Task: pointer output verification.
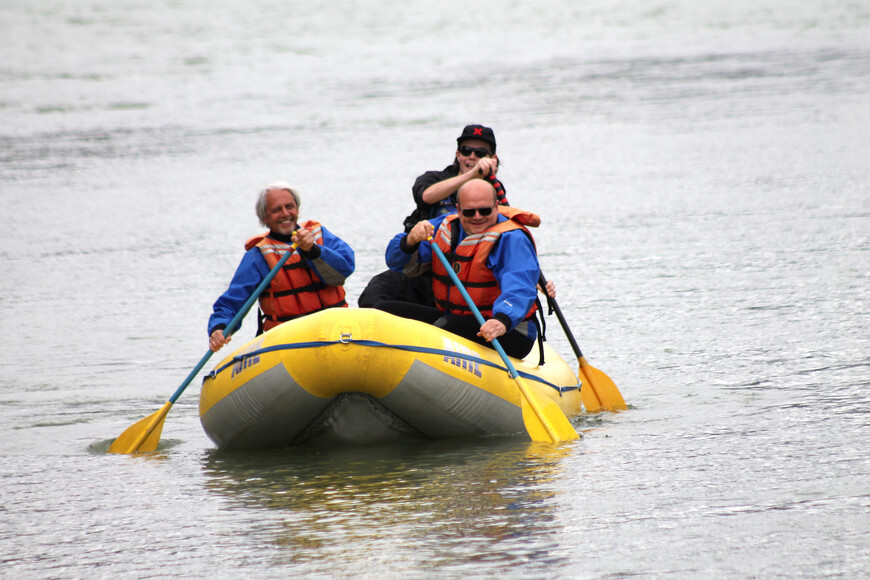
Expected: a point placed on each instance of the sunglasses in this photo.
(483, 211)
(481, 152)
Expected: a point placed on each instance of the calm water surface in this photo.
(702, 175)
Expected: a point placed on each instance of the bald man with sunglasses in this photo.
(492, 252)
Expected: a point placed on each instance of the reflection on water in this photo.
(432, 505)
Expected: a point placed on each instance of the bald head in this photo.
(477, 195)
(477, 187)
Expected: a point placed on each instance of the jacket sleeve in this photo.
(423, 182)
(395, 256)
(410, 261)
(514, 263)
(251, 271)
(334, 260)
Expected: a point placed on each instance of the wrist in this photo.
(406, 246)
(312, 253)
(504, 319)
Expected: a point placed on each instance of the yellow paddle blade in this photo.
(598, 392)
(142, 436)
(590, 400)
(543, 418)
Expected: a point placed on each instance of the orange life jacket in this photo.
(469, 262)
(295, 290)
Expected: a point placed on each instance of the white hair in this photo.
(260, 206)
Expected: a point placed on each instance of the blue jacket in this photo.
(513, 262)
(332, 262)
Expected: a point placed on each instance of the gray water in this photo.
(702, 174)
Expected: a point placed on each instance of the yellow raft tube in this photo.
(358, 376)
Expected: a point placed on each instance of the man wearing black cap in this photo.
(435, 195)
(475, 158)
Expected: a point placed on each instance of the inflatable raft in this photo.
(358, 376)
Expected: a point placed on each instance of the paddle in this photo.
(602, 392)
(544, 420)
(144, 435)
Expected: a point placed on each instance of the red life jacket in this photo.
(469, 262)
(295, 290)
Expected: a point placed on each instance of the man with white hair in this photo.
(312, 279)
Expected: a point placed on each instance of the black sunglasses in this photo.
(483, 211)
(481, 152)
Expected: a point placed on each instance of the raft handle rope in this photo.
(346, 338)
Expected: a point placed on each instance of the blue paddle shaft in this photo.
(456, 282)
(236, 321)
